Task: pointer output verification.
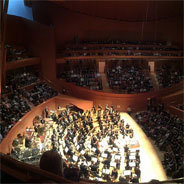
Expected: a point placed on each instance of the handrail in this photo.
(119, 44)
(119, 50)
(117, 57)
(24, 172)
(22, 63)
(174, 110)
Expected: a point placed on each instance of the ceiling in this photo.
(125, 10)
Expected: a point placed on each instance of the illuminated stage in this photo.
(151, 166)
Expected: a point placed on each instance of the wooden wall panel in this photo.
(120, 101)
(70, 24)
(15, 32)
(177, 98)
(37, 38)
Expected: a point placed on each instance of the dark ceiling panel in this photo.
(125, 10)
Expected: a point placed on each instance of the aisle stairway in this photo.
(105, 83)
(154, 81)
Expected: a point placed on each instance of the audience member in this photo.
(51, 161)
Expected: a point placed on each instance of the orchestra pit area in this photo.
(98, 141)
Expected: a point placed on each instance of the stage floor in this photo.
(151, 166)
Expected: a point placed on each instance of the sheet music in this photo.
(94, 159)
(113, 164)
(115, 149)
(78, 147)
(104, 155)
(75, 158)
(93, 149)
(66, 149)
(117, 157)
(132, 158)
(82, 152)
(132, 164)
(127, 172)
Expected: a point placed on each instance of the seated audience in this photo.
(16, 53)
(13, 107)
(84, 76)
(130, 49)
(19, 79)
(167, 76)
(181, 106)
(129, 78)
(40, 93)
(167, 132)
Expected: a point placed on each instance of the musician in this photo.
(131, 133)
(127, 128)
(84, 170)
(134, 180)
(127, 167)
(47, 112)
(28, 142)
(94, 167)
(126, 148)
(42, 121)
(99, 113)
(70, 119)
(97, 152)
(99, 107)
(137, 172)
(67, 110)
(106, 108)
(110, 141)
(94, 110)
(74, 116)
(111, 111)
(114, 173)
(88, 158)
(53, 116)
(79, 115)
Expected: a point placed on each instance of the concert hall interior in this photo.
(91, 91)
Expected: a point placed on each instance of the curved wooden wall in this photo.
(120, 101)
(27, 120)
